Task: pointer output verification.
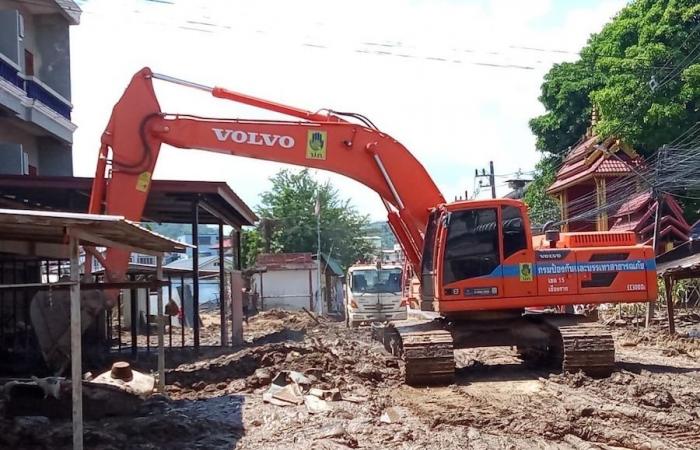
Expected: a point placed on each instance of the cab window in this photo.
(471, 247)
(514, 237)
(426, 275)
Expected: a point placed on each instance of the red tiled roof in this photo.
(582, 148)
(602, 165)
(633, 204)
(612, 165)
(567, 180)
(675, 231)
(227, 244)
(677, 211)
(623, 225)
(285, 261)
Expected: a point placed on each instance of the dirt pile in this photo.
(333, 362)
(315, 347)
(270, 323)
(678, 345)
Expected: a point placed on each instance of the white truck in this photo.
(373, 294)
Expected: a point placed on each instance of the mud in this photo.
(215, 400)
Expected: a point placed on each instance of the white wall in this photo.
(286, 289)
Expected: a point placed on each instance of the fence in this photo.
(130, 326)
(19, 349)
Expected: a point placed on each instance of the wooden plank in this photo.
(668, 284)
(85, 235)
(152, 284)
(39, 286)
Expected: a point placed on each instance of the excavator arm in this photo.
(327, 141)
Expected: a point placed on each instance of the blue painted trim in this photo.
(636, 265)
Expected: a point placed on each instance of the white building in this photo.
(393, 256)
(207, 242)
(290, 281)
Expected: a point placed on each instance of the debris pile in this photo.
(303, 383)
(322, 353)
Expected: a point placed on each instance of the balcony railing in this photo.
(38, 92)
(10, 73)
(34, 90)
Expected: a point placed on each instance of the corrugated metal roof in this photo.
(332, 265)
(285, 261)
(676, 261)
(204, 261)
(169, 201)
(96, 230)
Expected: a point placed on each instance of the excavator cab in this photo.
(483, 246)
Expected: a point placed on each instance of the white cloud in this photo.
(450, 112)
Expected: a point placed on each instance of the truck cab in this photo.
(374, 294)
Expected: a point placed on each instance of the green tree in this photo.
(288, 212)
(642, 74)
(251, 246)
(542, 207)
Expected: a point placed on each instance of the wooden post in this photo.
(311, 293)
(668, 284)
(222, 286)
(76, 353)
(262, 297)
(161, 327)
(195, 273)
(236, 307)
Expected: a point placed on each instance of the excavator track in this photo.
(586, 347)
(426, 349)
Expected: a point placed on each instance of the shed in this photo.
(43, 234)
(285, 281)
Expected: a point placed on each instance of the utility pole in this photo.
(319, 300)
(491, 176)
(658, 196)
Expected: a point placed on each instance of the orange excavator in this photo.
(479, 266)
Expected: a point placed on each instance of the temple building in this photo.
(598, 190)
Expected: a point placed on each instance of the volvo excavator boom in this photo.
(324, 140)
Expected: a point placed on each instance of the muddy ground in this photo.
(651, 402)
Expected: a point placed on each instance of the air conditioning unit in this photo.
(13, 159)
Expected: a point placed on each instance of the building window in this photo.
(147, 260)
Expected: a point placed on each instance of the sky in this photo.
(455, 81)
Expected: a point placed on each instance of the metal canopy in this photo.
(681, 262)
(169, 201)
(45, 233)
